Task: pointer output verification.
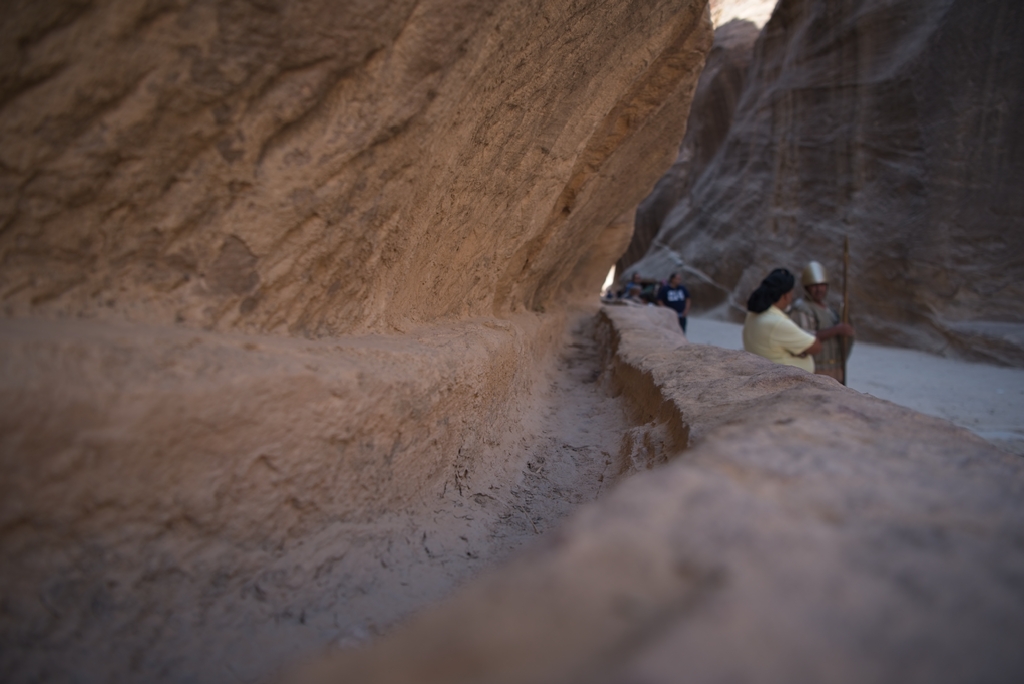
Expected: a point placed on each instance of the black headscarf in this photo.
(779, 282)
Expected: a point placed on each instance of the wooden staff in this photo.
(846, 300)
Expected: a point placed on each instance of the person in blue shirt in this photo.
(675, 297)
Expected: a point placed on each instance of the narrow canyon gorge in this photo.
(305, 377)
(890, 123)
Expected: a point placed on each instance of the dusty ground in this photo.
(567, 454)
(246, 588)
(986, 399)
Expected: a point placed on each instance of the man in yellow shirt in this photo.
(769, 332)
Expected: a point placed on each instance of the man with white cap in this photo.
(814, 315)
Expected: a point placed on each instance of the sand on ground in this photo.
(562, 448)
(566, 453)
(986, 399)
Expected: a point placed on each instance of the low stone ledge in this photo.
(808, 533)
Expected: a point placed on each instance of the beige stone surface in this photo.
(179, 504)
(283, 289)
(286, 356)
(893, 123)
(321, 168)
(194, 506)
(808, 533)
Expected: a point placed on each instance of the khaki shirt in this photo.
(772, 335)
(813, 317)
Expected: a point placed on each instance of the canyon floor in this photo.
(986, 399)
(562, 448)
(567, 452)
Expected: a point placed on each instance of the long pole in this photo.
(846, 299)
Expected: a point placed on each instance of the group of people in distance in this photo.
(671, 294)
(810, 337)
(807, 332)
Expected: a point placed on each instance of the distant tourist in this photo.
(675, 297)
(769, 332)
(823, 321)
(634, 295)
(635, 280)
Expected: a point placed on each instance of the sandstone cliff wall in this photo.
(893, 123)
(317, 168)
(280, 275)
(714, 103)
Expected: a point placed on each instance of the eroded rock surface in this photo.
(203, 506)
(809, 533)
(281, 281)
(893, 123)
(714, 103)
(314, 167)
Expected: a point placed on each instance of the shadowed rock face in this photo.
(718, 92)
(323, 167)
(893, 123)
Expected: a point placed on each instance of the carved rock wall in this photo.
(317, 168)
(890, 122)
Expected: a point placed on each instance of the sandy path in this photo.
(341, 582)
(565, 455)
(989, 400)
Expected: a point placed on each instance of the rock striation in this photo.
(714, 103)
(888, 123)
(314, 168)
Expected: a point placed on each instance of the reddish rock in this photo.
(190, 488)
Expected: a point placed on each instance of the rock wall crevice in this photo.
(661, 430)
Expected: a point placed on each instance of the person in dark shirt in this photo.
(675, 297)
(634, 279)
